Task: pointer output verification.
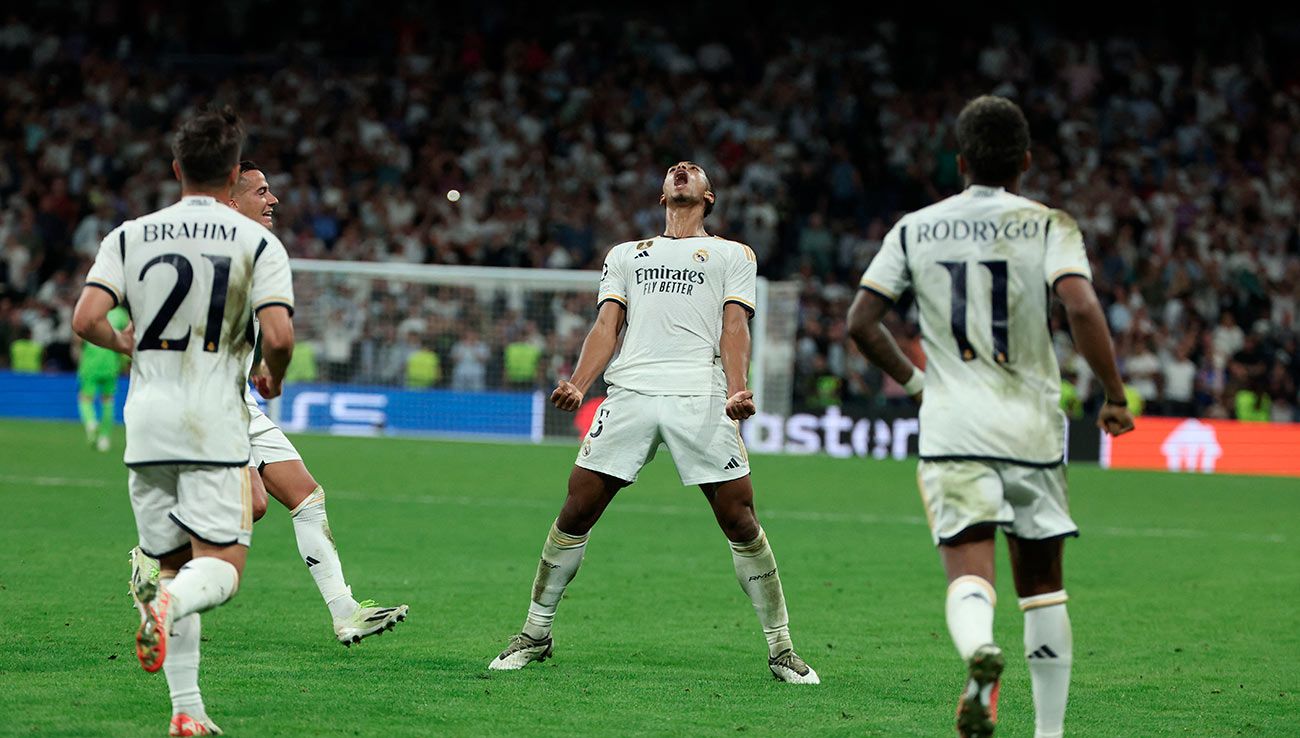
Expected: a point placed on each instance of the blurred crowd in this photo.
(500, 143)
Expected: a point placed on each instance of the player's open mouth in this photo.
(680, 178)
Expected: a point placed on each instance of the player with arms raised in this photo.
(992, 434)
(685, 299)
(192, 276)
(277, 467)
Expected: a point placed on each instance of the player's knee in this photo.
(738, 523)
(578, 516)
(259, 508)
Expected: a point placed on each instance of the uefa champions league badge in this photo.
(701, 256)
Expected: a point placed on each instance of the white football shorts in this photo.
(1027, 502)
(629, 426)
(171, 502)
(269, 444)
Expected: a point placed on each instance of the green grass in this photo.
(1184, 594)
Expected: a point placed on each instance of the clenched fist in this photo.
(267, 387)
(740, 406)
(566, 396)
(1115, 419)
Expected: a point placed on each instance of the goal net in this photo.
(469, 352)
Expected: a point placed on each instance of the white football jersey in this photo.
(674, 290)
(982, 265)
(192, 276)
(256, 333)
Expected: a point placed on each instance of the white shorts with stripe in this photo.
(171, 502)
(629, 426)
(269, 444)
(1026, 501)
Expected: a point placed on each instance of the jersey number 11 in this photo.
(957, 270)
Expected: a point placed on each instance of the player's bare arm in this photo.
(1092, 339)
(277, 347)
(874, 340)
(734, 348)
(597, 350)
(90, 321)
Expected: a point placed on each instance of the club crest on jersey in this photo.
(701, 256)
(586, 447)
(643, 249)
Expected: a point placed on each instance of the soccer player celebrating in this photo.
(685, 299)
(277, 467)
(992, 433)
(97, 372)
(193, 275)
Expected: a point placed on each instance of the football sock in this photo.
(86, 408)
(561, 557)
(106, 417)
(316, 546)
(182, 665)
(201, 585)
(1049, 650)
(756, 572)
(969, 610)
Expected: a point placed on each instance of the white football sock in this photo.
(316, 546)
(182, 667)
(201, 585)
(756, 572)
(561, 557)
(969, 609)
(1049, 650)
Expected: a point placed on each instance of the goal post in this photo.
(466, 351)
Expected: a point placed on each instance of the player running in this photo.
(193, 275)
(992, 434)
(278, 468)
(680, 378)
(97, 372)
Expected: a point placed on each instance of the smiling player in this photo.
(277, 467)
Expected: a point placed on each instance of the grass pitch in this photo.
(1183, 599)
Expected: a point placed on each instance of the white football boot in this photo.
(144, 570)
(788, 667)
(521, 651)
(368, 620)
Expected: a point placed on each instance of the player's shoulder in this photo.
(261, 234)
(1062, 222)
(735, 248)
(1058, 221)
(121, 230)
(622, 249)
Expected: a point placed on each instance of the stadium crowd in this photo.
(1178, 161)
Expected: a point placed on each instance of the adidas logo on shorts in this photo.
(733, 464)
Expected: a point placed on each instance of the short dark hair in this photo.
(247, 165)
(993, 136)
(208, 146)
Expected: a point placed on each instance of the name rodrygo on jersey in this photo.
(192, 276)
(981, 265)
(675, 290)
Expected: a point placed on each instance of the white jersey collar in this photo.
(199, 200)
(984, 190)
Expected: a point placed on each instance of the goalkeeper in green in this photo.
(97, 373)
